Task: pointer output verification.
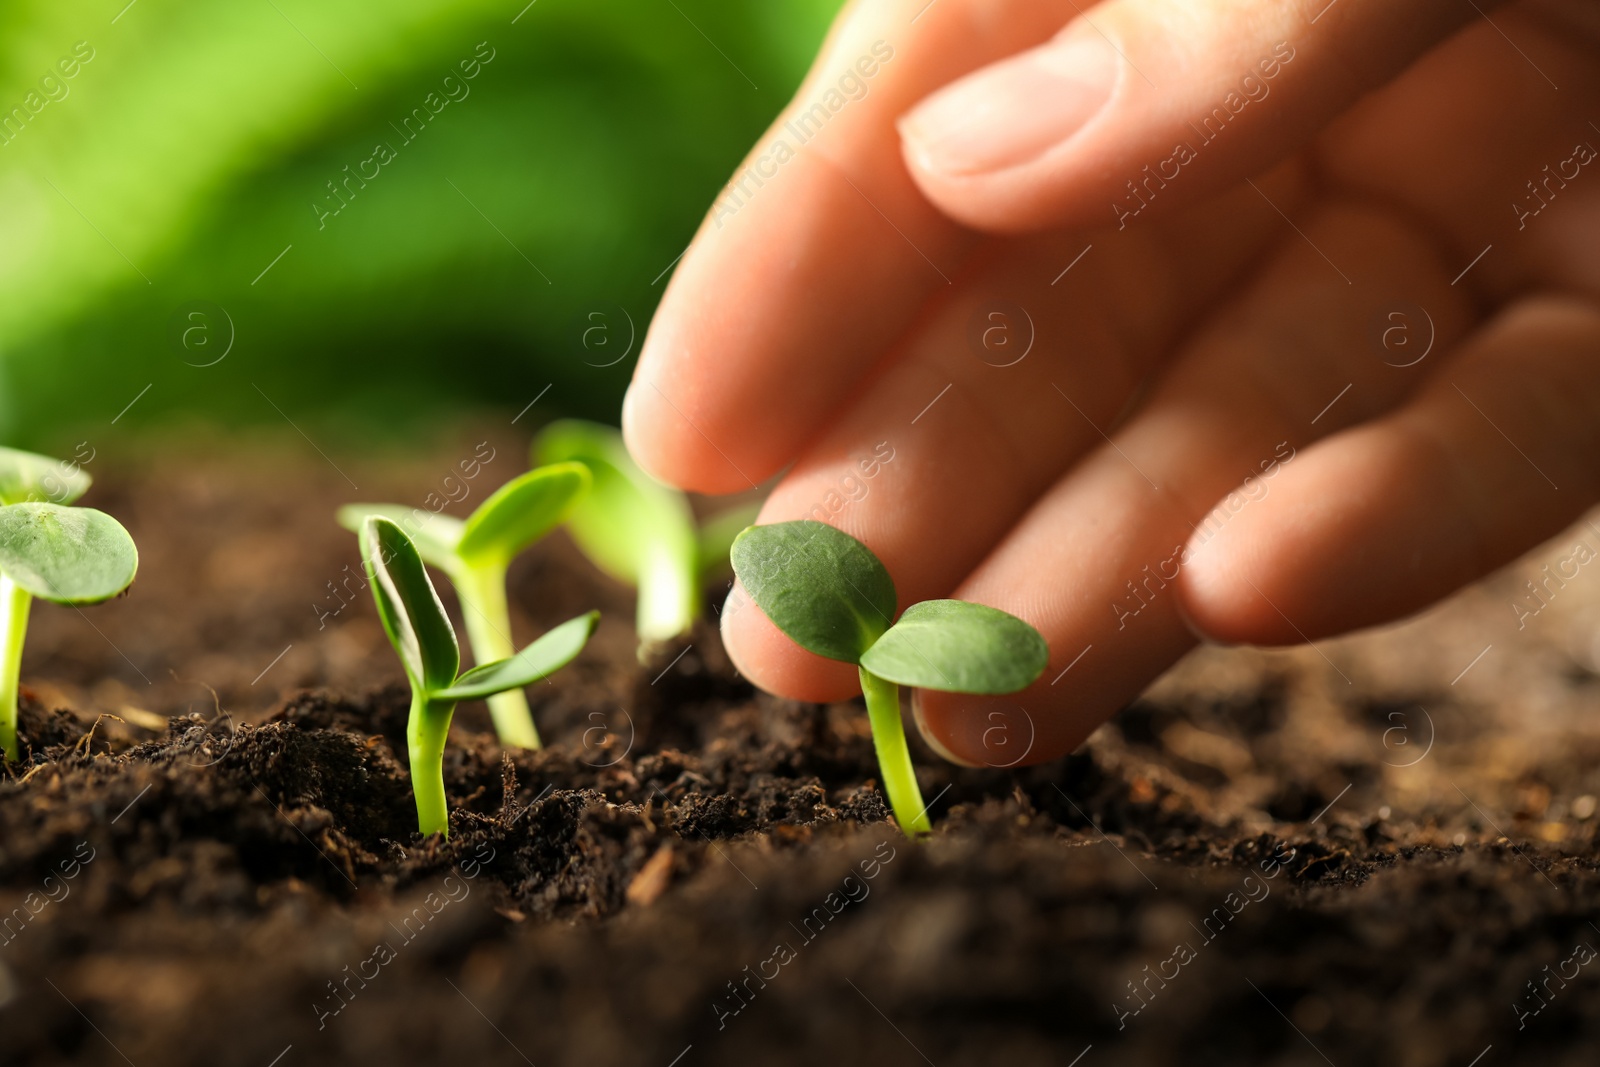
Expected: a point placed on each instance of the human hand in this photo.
(1297, 323)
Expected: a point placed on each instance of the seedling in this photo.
(421, 633)
(475, 554)
(832, 596)
(66, 555)
(640, 531)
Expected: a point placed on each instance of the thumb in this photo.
(1149, 103)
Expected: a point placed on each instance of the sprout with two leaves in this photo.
(66, 555)
(640, 531)
(475, 554)
(832, 596)
(421, 633)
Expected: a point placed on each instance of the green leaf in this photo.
(435, 535)
(66, 555)
(819, 585)
(630, 525)
(539, 660)
(28, 476)
(626, 510)
(408, 605)
(960, 648)
(717, 534)
(521, 511)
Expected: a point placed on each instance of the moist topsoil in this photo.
(1350, 854)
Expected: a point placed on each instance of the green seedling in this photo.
(639, 531)
(832, 596)
(421, 633)
(62, 554)
(475, 554)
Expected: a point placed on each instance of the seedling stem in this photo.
(476, 554)
(640, 531)
(417, 627)
(833, 597)
(425, 738)
(14, 604)
(482, 592)
(894, 757)
(48, 550)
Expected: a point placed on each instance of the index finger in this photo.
(817, 254)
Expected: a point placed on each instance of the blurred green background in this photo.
(158, 203)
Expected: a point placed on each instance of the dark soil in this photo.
(208, 855)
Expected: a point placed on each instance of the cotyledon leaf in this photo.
(630, 525)
(627, 511)
(435, 535)
(522, 511)
(539, 660)
(959, 647)
(819, 585)
(28, 476)
(66, 555)
(408, 605)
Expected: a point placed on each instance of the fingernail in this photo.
(1182, 612)
(927, 735)
(629, 402)
(1016, 110)
(635, 423)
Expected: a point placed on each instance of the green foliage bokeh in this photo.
(162, 178)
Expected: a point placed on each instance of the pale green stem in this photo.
(426, 731)
(482, 590)
(14, 603)
(894, 758)
(667, 596)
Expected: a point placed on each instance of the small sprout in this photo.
(832, 596)
(66, 555)
(640, 531)
(421, 633)
(475, 555)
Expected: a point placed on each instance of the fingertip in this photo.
(972, 200)
(1220, 595)
(950, 726)
(652, 443)
(934, 737)
(1340, 541)
(634, 434)
(982, 148)
(661, 435)
(998, 732)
